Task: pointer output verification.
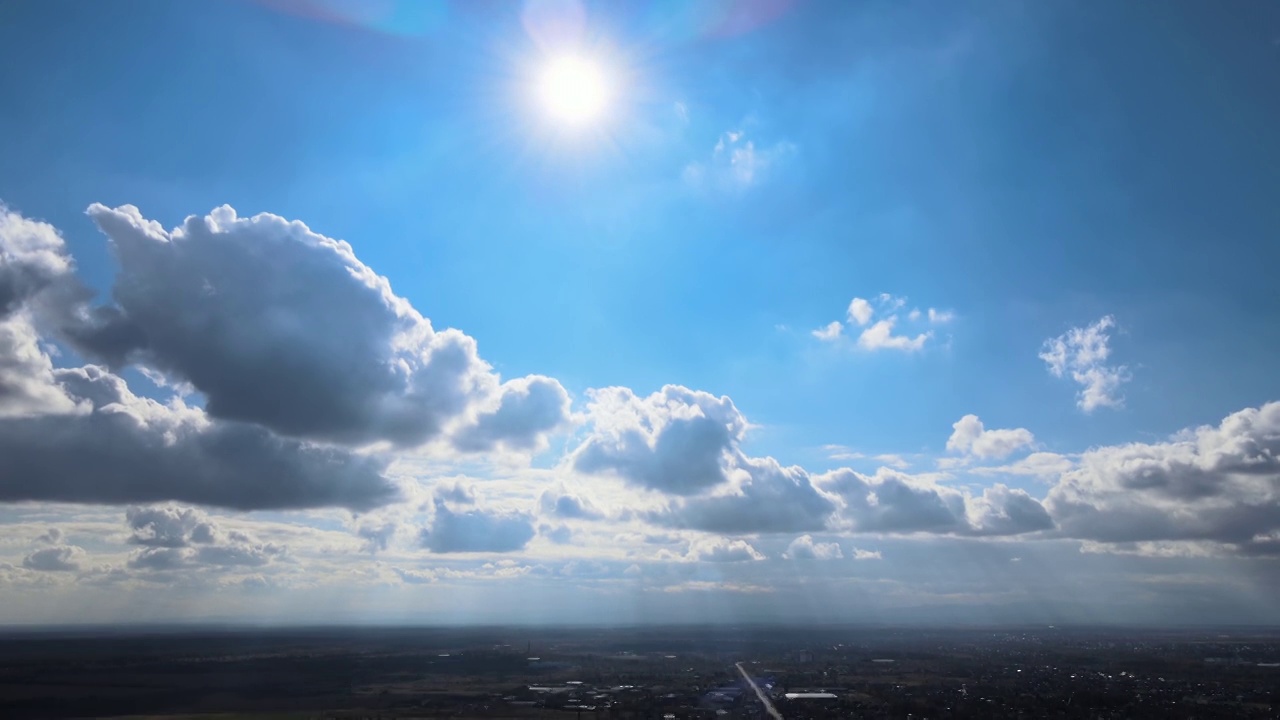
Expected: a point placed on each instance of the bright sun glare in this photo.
(573, 90)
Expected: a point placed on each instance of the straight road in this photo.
(764, 700)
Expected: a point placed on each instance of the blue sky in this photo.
(1023, 169)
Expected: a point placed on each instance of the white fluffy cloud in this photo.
(717, 549)
(761, 496)
(1218, 484)
(804, 548)
(879, 335)
(175, 538)
(33, 256)
(676, 440)
(971, 438)
(860, 311)
(830, 331)
(1082, 353)
(893, 502)
(28, 386)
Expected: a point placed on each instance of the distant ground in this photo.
(639, 673)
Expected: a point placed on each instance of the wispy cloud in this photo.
(1082, 353)
(737, 162)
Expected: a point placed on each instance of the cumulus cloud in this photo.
(971, 438)
(527, 409)
(860, 311)
(59, 558)
(80, 434)
(722, 550)
(879, 335)
(860, 554)
(168, 526)
(894, 502)
(130, 449)
(830, 331)
(477, 531)
(1002, 510)
(676, 440)
(1219, 484)
(27, 383)
(804, 548)
(175, 537)
(564, 504)
(1082, 354)
(283, 327)
(761, 497)
(33, 256)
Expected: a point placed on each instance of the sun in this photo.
(574, 90)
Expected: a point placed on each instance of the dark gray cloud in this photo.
(477, 531)
(676, 440)
(1218, 484)
(130, 449)
(282, 327)
(59, 558)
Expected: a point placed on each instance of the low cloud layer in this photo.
(1218, 484)
(676, 440)
(291, 376)
(130, 449)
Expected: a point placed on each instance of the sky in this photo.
(546, 312)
